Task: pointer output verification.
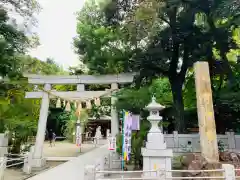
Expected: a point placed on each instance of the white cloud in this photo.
(56, 29)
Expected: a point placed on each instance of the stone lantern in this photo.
(156, 156)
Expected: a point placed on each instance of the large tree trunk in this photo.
(223, 48)
(178, 104)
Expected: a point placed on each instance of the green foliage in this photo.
(12, 41)
(135, 100)
(169, 36)
(99, 111)
(70, 123)
(18, 115)
(177, 162)
(26, 8)
(162, 90)
(102, 48)
(189, 92)
(30, 65)
(221, 147)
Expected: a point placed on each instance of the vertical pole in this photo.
(123, 119)
(114, 114)
(206, 121)
(3, 161)
(38, 149)
(80, 87)
(78, 134)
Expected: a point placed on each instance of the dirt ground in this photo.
(66, 149)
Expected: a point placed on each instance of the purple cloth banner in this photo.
(127, 135)
(135, 122)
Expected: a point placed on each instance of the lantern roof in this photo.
(153, 105)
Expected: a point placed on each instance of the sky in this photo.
(56, 29)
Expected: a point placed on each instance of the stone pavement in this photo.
(73, 169)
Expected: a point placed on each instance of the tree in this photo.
(78, 70)
(12, 41)
(135, 100)
(17, 114)
(25, 9)
(30, 65)
(176, 41)
(101, 48)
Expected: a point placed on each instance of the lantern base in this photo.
(157, 159)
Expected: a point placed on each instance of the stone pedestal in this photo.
(114, 161)
(39, 163)
(155, 155)
(157, 159)
(3, 144)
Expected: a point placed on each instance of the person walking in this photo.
(53, 138)
(50, 137)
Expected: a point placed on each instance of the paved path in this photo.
(73, 169)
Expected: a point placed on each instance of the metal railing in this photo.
(19, 159)
(164, 174)
(122, 175)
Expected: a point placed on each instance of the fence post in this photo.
(106, 162)
(3, 161)
(28, 158)
(176, 141)
(89, 172)
(229, 172)
(27, 168)
(231, 141)
(114, 161)
(99, 166)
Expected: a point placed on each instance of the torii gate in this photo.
(80, 94)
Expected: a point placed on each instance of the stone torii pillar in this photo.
(38, 160)
(114, 113)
